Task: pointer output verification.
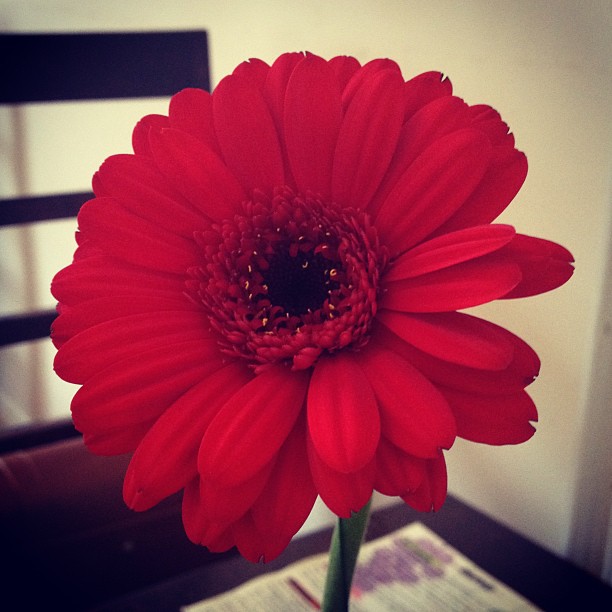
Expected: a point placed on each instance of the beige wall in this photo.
(543, 64)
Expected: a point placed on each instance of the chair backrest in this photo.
(58, 502)
(85, 66)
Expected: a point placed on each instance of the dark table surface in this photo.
(543, 578)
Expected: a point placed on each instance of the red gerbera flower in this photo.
(263, 305)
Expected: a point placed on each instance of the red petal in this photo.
(275, 86)
(139, 389)
(367, 139)
(450, 249)
(501, 182)
(432, 188)
(342, 414)
(140, 135)
(365, 74)
(254, 72)
(191, 112)
(197, 527)
(89, 352)
(274, 91)
(252, 426)
(247, 135)
(74, 320)
(342, 493)
(197, 172)
(454, 337)
(139, 186)
(413, 413)
(544, 265)
(96, 277)
(116, 441)
(489, 121)
(164, 214)
(225, 505)
(217, 536)
(425, 88)
(432, 492)
(460, 286)
(288, 498)
(166, 459)
(123, 174)
(344, 68)
(493, 419)
(397, 473)
(520, 372)
(312, 117)
(121, 234)
(222, 542)
(432, 122)
(247, 539)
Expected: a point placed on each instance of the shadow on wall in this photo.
(590, 542)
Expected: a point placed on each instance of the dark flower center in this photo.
(299, 284)
(289, 278)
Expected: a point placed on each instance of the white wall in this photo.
(545, 65)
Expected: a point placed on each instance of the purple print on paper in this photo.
(404, 561)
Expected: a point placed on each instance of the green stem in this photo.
(346, 541)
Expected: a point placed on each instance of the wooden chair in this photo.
(68, 540)
(61, 67)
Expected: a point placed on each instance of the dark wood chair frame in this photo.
(82, 66)
(68, 540)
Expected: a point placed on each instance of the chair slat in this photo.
(25, 327)
(41, 68)
(101, 66)
(31, 435)
(41, 208)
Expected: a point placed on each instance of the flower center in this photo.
(299, 284)
(289, 278)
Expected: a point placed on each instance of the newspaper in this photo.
(410, 569)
